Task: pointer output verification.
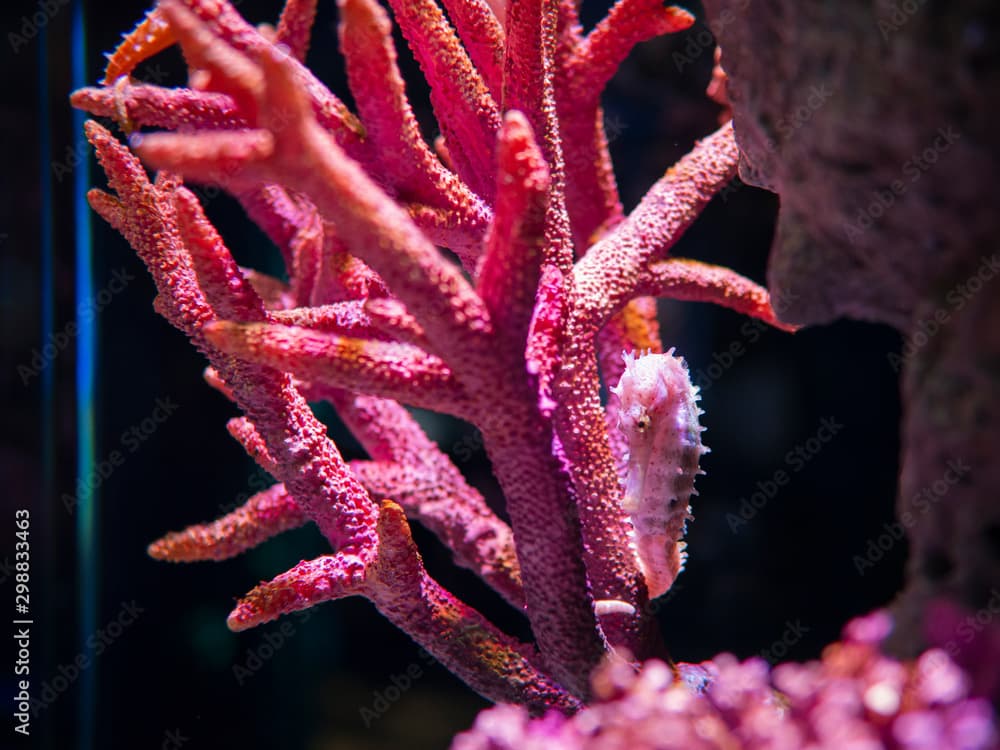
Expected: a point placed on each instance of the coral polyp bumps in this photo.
(553, 282)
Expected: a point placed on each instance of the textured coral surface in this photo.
(493, 276)
(852, 698)
(503, 333)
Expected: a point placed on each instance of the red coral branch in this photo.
(508, 277)
(411, 470)
(153, 106)
(607, 276)
(398, 371)
(404, 160)
(684, 279)
(295, 27)
(482, 35)
(603, 280)
(227, 25)
(628, 23)
(303, 458)
(468, 115)
(266, 514)
(372, 225)
(549, 292)
(244, 433)
(490, 662)
(347, 318)
(528, 86)
(307, 584)
(452, 631)
(592, 194)
(392, 318)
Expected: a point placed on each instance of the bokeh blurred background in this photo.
(778, 580)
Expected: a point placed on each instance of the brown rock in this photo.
(874, 123)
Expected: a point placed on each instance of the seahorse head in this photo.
(652, 386)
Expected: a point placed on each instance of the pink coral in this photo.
(550, 286)
(854, 698)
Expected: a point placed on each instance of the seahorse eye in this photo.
(643, 422)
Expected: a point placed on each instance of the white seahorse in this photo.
(659, 419)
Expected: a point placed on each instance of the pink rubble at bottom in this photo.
(853, 698)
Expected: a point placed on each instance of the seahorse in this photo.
(659, 419)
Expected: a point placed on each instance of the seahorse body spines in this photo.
(659, 418)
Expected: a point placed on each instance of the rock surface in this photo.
(873, 123)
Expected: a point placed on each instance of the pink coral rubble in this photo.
(854, 698)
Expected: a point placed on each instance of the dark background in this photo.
(785, 581)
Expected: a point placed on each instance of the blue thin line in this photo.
(86, 364)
